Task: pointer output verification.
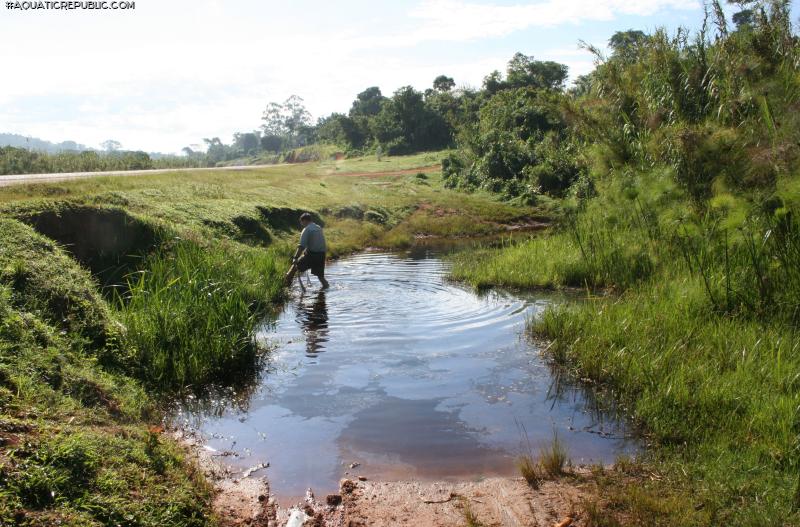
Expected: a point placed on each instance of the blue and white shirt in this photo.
(312, 239)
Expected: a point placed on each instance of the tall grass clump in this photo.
(553, 457)
(529, 470)
(191, 312)
(470, 517)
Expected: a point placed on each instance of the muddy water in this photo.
(406, 375)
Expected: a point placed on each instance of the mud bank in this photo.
(490, 502)
(243, 498)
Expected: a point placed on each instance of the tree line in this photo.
(407, 121)
(713, 107)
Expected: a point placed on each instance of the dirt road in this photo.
(399, 172)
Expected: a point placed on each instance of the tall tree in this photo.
(271, 143)
(443, 83)
(368, 102)
(744, 18)
(523, 71)
(215, 150)
(493, 82)
(111, 145)
(289, 120)
(274, 122)
(626, 44)
(406, 124)
(582, 85)
(247, 143)
(340, 129)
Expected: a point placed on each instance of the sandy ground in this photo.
(491, 502)
(243, 498)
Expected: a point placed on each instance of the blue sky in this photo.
(170, 73)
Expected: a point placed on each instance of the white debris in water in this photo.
(297, 518)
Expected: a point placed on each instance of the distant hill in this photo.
(34, 143)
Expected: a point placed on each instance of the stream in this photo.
(396, 373)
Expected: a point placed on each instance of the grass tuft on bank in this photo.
(191, 312)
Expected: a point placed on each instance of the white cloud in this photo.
(457, 20)
(171, 73)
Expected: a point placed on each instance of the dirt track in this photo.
(402, 172)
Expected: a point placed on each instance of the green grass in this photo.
(719, 396)
(545, 262)
(228, 203)
(191, 312)
(553, 457)
(551, 462)
(690, 321)
(371, 163)
(74, 442)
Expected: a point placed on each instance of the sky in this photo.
(171, 72)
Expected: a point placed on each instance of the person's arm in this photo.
(302, 245)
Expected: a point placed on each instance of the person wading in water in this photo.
(310, 253)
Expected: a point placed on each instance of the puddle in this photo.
(401, 374)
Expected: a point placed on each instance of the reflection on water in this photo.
(407, 375)
(312, 316)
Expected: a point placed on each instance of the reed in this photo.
(529, 470)
(553, 457)
(191, 312)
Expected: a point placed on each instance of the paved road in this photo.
(21, 179)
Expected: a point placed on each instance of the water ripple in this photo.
(408, 374)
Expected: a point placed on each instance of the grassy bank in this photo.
(75, 448)
(691, 321)
(118, 292)
(681, 223)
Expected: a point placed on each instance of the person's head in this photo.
(305, 219)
